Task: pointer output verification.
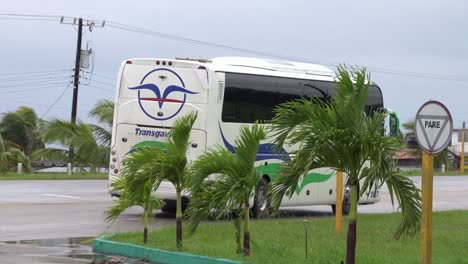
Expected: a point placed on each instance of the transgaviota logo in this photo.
(158, 87)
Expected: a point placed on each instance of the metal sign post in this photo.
(462, 156)
(339, 203)
(433, 130)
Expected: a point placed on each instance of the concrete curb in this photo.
(102, 245)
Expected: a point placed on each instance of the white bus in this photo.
(227, 93)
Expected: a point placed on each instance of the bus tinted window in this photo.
(374, 99)
(250, 98)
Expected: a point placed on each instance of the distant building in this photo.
(456, 146)
(407, 159)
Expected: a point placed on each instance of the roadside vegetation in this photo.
(23, 139)
(340, 134)
(136, 188)
(11, 176)
(282, 240)
(232, 189)
(326, 131)
(145, 169)
(436, 173)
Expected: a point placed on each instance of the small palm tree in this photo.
(22, 128)
(10, 157)
(171, 164)
(137, 187)
(339, 134)
(235, 184)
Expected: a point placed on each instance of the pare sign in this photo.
(433, 127)
(432, 124)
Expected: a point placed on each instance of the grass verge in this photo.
(282, 240)
(436, 173)
(53, 176)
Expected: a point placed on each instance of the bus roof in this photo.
(255, 66)
(224, 63)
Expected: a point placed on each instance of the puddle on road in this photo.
(72, 248)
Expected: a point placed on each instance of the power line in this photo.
(29, 15)
(100, 82)
(28, 19)
(35, 72)
(56, 101)
(205, 43)
(33, 89)
(38, 83)
(43, 77)
(100, 88)
(101, 76)
(139, 30)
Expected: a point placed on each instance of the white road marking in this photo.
(63, 196)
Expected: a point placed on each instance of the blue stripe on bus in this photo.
(265, 151)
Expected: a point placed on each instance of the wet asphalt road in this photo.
(47, 210)
(65, 209)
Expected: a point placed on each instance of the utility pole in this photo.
(462, 153)
(76, 80)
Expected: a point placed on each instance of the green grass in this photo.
(436, 173)
(88, 241)
(53, 176)
(282, 240)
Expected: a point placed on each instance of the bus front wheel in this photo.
(346, 207)
(261, 206)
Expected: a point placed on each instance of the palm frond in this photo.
(223, 181)
(180, 134)
(51, 153)
(408, 197)
(2, 144)
(103, 111)
(103, 136)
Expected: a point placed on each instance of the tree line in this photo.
(24, 137)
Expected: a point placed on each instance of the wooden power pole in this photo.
(76, 80)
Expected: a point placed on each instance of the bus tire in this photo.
(261, 206)
(171, 207)
(346, 207)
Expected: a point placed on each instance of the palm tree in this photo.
(10, 157)
(86, 150)
(22, 128)
(136, 188)
(171, 164)
(91, 143)
(339, 134)
(104, 112)
(235, 183)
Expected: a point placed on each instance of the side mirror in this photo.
(394, 125)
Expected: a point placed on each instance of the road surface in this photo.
(69, 209)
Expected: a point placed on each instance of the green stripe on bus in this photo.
(153, 144)
(314, 177)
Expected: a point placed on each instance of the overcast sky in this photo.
(396, 40)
